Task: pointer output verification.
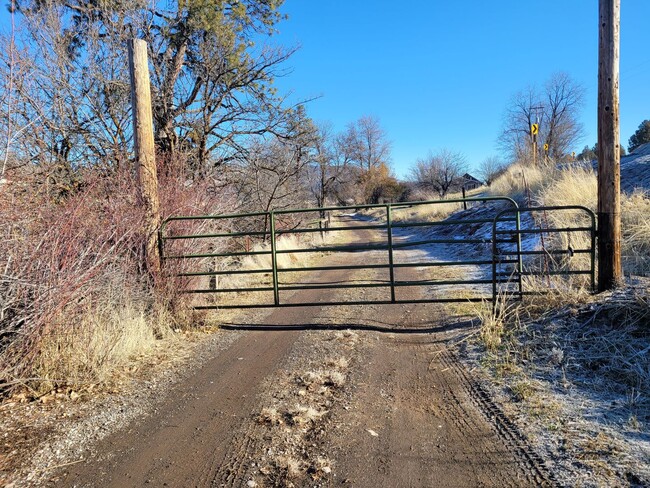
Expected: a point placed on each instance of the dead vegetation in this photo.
(76, 302)
(580, 365)
(577, 185)
(576, 365)
(297, 418)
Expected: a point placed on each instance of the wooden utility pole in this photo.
(609, 156)
(145, 152)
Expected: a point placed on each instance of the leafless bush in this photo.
(63, 259)
(57, 257)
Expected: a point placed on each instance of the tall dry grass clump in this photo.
(575, 185)
(423, 213)
(75, 301)
(519, 181)
(429, 212)
(635, 224)
(569, 186)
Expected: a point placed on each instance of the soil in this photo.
(349, 396)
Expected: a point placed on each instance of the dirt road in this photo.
(353, 396)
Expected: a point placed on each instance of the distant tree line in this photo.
(641, 136)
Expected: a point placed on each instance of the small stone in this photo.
(251, 483)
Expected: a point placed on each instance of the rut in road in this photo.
(410, 414)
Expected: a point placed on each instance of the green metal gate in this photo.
(260, 259)
(564, 251)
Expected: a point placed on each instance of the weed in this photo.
(493, 319)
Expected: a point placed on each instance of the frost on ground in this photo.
(576, 378)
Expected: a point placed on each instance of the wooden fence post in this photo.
(609, 159)
(145, 151)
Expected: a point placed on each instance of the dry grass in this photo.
(284, 243)
(600, 344)
(518, 181)
(571, 186)
(106, 340)
(424, 213)
(635, 223)
(263, 261)
(302, 396)
(587, 356)
(75, 301)
(432, 211)
(493, 321)
(304, 416)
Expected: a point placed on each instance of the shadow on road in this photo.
(427, 328)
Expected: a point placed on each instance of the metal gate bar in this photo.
(519, 254)
(271, 233)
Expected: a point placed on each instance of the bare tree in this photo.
(366, 143)
(515, 138)
(75, 104)
(439, 171)
(330, 170)
(491, 168)
(365, 148)
(555, 109)
(560, 126)
(211, 83)
(269, 177)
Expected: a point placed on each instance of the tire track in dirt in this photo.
(251, 441)
(429, 432)
(503, 425)
(192, 424)
(275, 450)
(419, 419)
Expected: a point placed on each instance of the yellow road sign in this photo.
(534, 129)
(546, 147)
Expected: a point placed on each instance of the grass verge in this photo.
(576, 368)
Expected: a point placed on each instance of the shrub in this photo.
(73, 293)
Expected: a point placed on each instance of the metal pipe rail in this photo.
(518, 255)
(213, 261)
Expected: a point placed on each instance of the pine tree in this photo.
(641, 136)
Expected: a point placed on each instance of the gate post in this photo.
(274, 262)
(391, 270)
(520, 261)
(145, 151)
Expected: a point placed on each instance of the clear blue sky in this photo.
(440, 73)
